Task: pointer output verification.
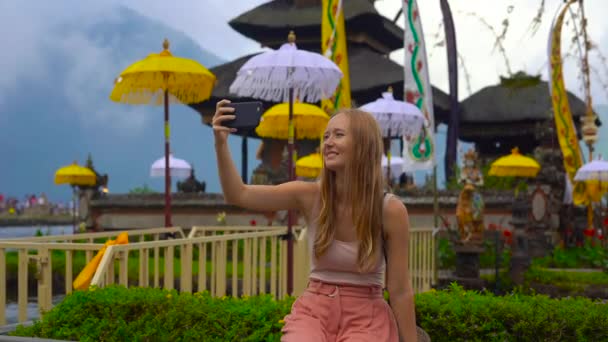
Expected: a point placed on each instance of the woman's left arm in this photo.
(398, 281)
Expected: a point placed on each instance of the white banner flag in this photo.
(419, 152)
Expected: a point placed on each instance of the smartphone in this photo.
(247, 115)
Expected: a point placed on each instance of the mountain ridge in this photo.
(57, 110)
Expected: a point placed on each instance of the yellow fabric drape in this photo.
(596, 189)
(333, 46)
(566, 132)
(83, 280)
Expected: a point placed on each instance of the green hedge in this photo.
(587, 256)
(137, 314)
(144, 314)
(446, 256)
(457, 315)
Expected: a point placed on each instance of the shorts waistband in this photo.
(349, 290)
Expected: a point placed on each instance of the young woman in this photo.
(357, 234)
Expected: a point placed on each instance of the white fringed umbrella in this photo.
(596, 170)
(272, 75)
(178, 167)
(396, 118)
(278, 76)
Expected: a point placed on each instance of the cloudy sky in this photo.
(207, 23)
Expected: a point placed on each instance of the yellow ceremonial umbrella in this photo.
(309, 166)
(309, 121)
(159, 79)
(75, 175)
(514, 165)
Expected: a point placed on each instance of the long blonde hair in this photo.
(363, 191)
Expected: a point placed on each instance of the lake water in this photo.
(26, 231)
(12, 310)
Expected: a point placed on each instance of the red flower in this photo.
(590, 232)
(410, 96)
(507, 233)
(252, 223)
(605, 221)
(338, 59)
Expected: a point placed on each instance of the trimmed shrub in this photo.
(144, 314)
(115, 313)
(459, 315)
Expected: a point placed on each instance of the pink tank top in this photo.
(339, 263)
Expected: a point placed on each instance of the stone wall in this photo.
(122, 211)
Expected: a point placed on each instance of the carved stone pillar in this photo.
(520, 256)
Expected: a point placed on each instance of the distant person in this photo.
(403, 180)
(42, 199)
(357, 234)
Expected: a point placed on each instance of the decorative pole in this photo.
(167, 142)
(450, 39)
(589, 128)
(291, 39)
(389, 179)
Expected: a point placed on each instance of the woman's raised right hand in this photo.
(221, 115)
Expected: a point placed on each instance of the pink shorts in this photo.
(333, 312)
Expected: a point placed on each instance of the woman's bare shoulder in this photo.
(396, 218)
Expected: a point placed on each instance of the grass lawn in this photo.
(566, 280)
(79, 261)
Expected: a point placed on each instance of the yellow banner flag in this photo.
(333, 46)
(566, 133)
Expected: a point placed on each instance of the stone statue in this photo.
(101, 181)
(469, 211)
(191, 185)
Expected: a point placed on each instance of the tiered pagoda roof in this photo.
(269, 23)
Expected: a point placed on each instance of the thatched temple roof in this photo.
(269, 22)
(498, 103)
(511, 113)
